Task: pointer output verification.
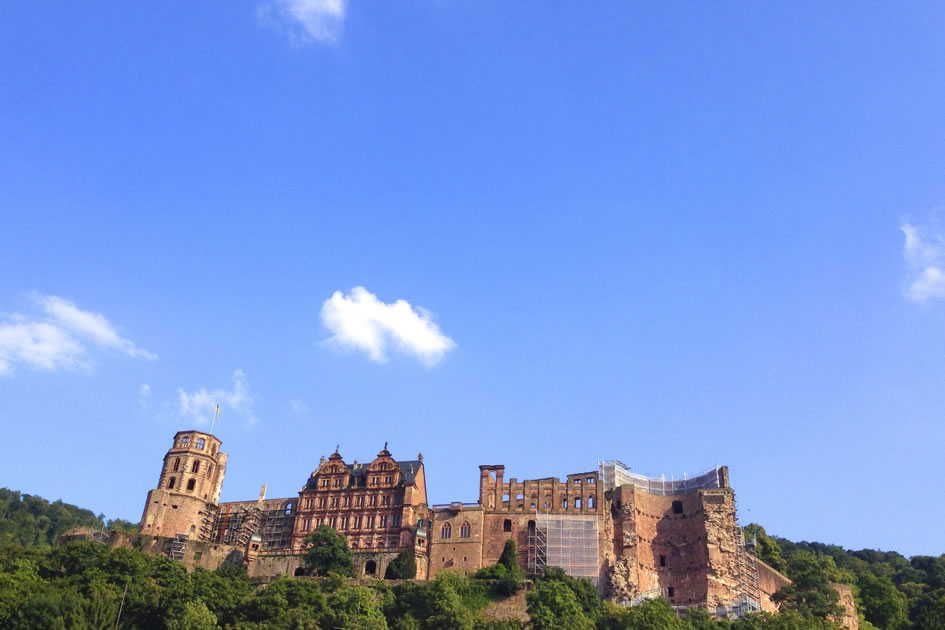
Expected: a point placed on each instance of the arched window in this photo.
(299, 572)
(185, 441)
(446, 531)
(370, 567)
(590, 502)
(464, 530)
(195, 468)
(170, 483)
(200, 443)
(507, 525)
(288, 509)
(210, 471)
(176, 464)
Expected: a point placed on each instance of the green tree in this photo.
(403, 567)
(768, 549)
(810, 593)
(881, 603)
(553, 606)
(446, 609)
(509, 557)
(326, 550)
(194, 616)
(353, 607)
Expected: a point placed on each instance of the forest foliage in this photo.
(83, 584)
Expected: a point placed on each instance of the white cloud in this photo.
(199, 406)
(58, 339)
(925, 257)
(305, 21)
(363, 322)
(298, 407)
(144, 394)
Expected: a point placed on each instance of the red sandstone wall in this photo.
(770, 581)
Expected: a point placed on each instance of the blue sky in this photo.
(677, 234)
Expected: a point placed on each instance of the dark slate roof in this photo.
(358, 476)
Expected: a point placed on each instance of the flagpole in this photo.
(216, 414)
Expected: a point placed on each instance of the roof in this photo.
(357, 476)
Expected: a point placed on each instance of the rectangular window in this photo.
(338, 482)
(321, 502)
(662, 561)
(306, 524)
(385, 500)
(347, 502)
(196, 467)
(334, 502)
(383, 521)
(372, 501)
(396, 519)
(333, 521)
(398, 500)
(370, 522)
(357, 522)
(319, 521)
(344, 522)
(360, 501)
(309, 503)
(564, 504)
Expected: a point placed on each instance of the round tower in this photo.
(190, 482)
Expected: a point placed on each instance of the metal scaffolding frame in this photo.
(178, 547)
(568, 541)
(614, 473)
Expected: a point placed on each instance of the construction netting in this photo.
(571, 543)
(615, 473)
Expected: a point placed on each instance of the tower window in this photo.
(176, 464)
(170, 483)
(195, 468)
(200, 443)
(185, 441)
(507, 525)
(672, 592)
(677, 507)
(662, 561)
(446, 531)
(191, 484)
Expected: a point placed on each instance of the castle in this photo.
(634, 536)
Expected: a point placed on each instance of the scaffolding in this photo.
(277, 529)
(749, 586)
(178, 547)
(614, 473)
(235, 527)
(568, 541)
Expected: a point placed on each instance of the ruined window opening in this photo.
(170, 483)
(446, 531)
(370, 567)
(299, 572)
(492, 475)
(464, 530)
(185, 441)
(209, 471)
(590, 502)
(677, 507)
(672, 592)
(195, 468)
(191, 484)
(519, 497)
(507, 525)
(564, 504)
(590, 480)
(505, 498)
(577, 481)
(288, 509)
(531, 507)
(200, 443)
(177, 464)
(577, 504)
(662, 561)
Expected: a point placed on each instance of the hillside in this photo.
(80, 585)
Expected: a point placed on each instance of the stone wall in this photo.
(770, 581)
(850, 618)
